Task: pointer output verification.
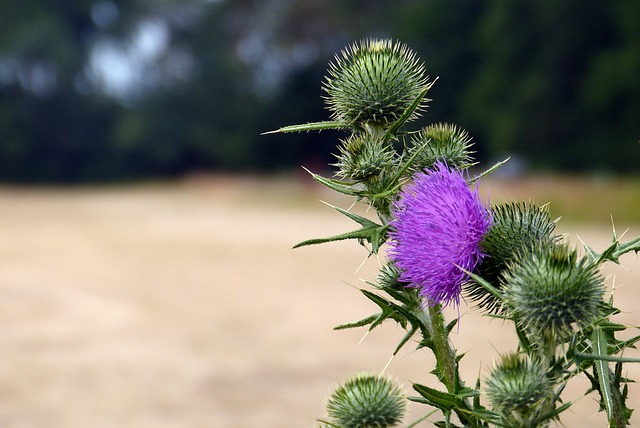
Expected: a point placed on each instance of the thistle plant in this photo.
(444, 245)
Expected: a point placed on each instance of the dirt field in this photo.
(181, 305)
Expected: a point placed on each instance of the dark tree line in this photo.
(114, 89)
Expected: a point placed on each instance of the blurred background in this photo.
(116, 90)
(145, 224)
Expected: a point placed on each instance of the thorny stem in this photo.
(446, 359)
(445, 356)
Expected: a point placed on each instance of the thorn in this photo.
(277, 131)
(328, 204)
(363, 337)
(388, 363)
(362, 264)
(625, 232)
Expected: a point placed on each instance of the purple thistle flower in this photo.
(437, 226)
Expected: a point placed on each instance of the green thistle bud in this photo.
(388, 277)
(516, 388)
(363, 156)
(517, 228)
(389, 280)
(551, 291)
(366, 401)
(441, 142)
(373, 83)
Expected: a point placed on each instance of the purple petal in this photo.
(436, 230)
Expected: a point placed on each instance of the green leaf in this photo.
(555, 412)
(395, 126)
(343, 187)
(599, 347)
(610, 254)
(598, 357)
(489, 171)
(414, 329)
(389, 309)
(613, 252)
(468, 393)
(371, 232)
(442, 400)
(363, 221)
(314, 126)
(522, 335)
(612, 326)
(364, 233)
(485, 284)
(630, 343)
(633, 245)
(400, 314)
(451, 325)
(361, 323)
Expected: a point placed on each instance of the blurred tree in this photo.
(558, 83)
(114, 89)
(51, 129)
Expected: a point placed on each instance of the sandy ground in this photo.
(182, 305)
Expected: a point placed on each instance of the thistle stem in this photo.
(445, 356)
(446, 362)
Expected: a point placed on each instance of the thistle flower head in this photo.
(366, 401)
(551, 291)
(517, 228)
(516, 386)
(373, 82)
(363, 156)
(442, 142)
(435, 233)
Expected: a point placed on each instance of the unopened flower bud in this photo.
(441, 142)
(366, 401)
(551, 291)
(373, 83)
(363, 156)
(517, 228)
(516, 386)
